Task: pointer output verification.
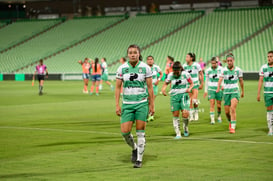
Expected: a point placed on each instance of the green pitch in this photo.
(68, 135)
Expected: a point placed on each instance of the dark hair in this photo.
(96, 63)
(270, 52)
(171, 58)
(124, 59)
(192, 55)
(230, 55)
(214, 59)
(104, 59)
(137, 47)
(86, 58)
(41, 60)
(150, 56)
(177, 66)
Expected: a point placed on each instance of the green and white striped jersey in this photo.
(193, 70)
(212, 78)
(134, 81)
(231, 79)
(179, 84)
(105, 67)
(267, 73)
(155, 70)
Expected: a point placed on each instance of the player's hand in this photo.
(118, 111)
(164, 93)
(205, 94)
(258, 98)
(188, 90)
(217, 90)
(200, 87)
(156, 83)
(151, 110)
(242, 94)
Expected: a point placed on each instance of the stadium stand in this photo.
(212, 34)
(56, 39)
(113, 43)
(22, 30)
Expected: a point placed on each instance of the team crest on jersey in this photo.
(126, 70)
(140, 70)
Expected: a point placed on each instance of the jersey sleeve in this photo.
(222, 73)
(240, 73)
(261, 73)
(119, 74)
(168, 79)
(148, 72)
(198, 67)
(159, 69)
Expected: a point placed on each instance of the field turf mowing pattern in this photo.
(68, 135)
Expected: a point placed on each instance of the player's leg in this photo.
(151, 117)
(176, 124)
(191, 107)
(97, 87)
(185, 107)
(211, 111)
(93, 84)
(195, 103)
(141, 114)
(234, 102)
(85, 89)
(126, 120)
(269, 109)
(41, 85)
(219, 103)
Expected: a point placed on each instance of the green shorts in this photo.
(104, 77)
(155, 90)
(228, 97)
(132, 112)
(180, 102)
(268, 100)
(213, 95)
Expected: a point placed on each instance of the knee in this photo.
(232, 109)
(185, 114)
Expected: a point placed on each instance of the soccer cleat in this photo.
(270, 134)
(232, 131)
(177, 137)
(150, 118)
(138, 164)
(212, 122)
(85, 92)
(186, 133)
(112, 88)
(91, 93)
(40, 93)
(191, 118)
(97, 94)
(219, 120)
(134, 156)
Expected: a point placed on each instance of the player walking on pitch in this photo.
(104, 76)
(181, 85)
(212, 77)
(231, 76)
(85, 73)
(40, 70)
(155, 71)
(197, 75)
(266, 75)
(136, 103)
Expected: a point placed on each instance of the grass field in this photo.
(67, 135)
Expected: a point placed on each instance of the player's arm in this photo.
(261, 80)
(164, 87)
(219, 84)
(206, 85)
(191, 85)
(241, 81)
(159, 78)
(80, 62)
(46, 73)
(201, 78)
(149, 82)
(117, 95)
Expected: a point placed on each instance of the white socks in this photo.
(176, 125)
(270, 120)
(140, 144)
(129, 139)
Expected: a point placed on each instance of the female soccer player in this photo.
(180, 100)
(231, 76)
(212, 77)
(96, 76)
(136, 103)
(169, 65)
(104, 76)
(41, 69)
(85, 73)
(155, 71)
(266, 74)
(197, 75)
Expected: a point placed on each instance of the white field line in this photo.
(118, 134)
